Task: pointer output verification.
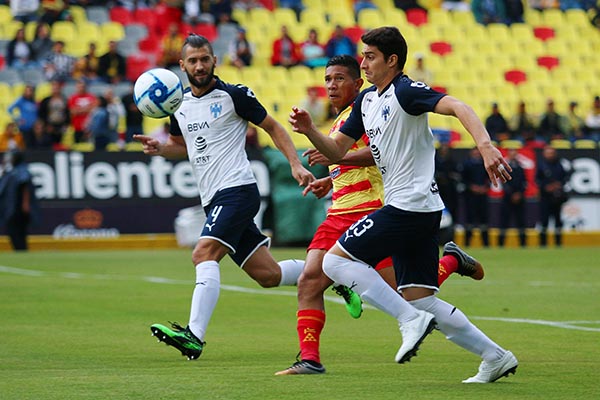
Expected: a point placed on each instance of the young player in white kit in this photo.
(393, 113)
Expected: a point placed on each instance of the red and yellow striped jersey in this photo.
(355, 189)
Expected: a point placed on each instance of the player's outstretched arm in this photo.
(284, 143)
(173, 148)
(359, 158)
(332, 148)
(496, 166)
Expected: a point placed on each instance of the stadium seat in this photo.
(560, 144)
(112, 31)
(10, 76)
(121, 15)
(416, 16)
(63, 30)
(441, 48)
(97, 14)
(515, 76)
(82, 147)
(136, 31)
(544, 33)
(511, 144)
(369, 18)
(396, 17)
(284, 16)
(548, 62)
(354, 33)
(584, 144)
(136, 65)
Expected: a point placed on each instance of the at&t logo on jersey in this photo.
(200, 144)
(216, 109)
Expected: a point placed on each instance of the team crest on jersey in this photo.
(216, 109)
(385, 112)
(335, 173)
(200, 144)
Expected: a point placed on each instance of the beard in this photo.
(201, 83)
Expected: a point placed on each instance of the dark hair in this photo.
(348, 62)
(388, 40)
(196, 41)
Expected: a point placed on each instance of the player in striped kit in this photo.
(357, 191)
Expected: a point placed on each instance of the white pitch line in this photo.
(573, 325)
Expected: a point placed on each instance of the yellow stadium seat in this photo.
(560, 144)
(439, 16)
(9, 29)
(533, 17)
(63, 30)
(369, 18)
(134, 146)
(342, 16)
(78, 13)
(584, 144)
(112, 31)
(396, 17)
(284, 16)
(313, 18)
(521, 32)
(465, 19)
(553, 17)
(113, 147)
(511, 144)
(82, 147)
(260, 16)
(241, 16)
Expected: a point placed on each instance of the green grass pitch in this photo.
(75, 325)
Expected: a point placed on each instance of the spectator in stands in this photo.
(42, 139)
(408, 5)
(551, 178)
(221, 11)
(522, 124)
(192, 13)
(313, 52)
(81, 104)
(294, 5)
(513, 200)
(24, 10)
(496, 125)
(340, 44)
(11, 139)
(489, 11)
(19, 53)
(54, 113)
(552, 124)
(477, 185)
(24, 111)
(514, 11)
(286, 52)
(240, 50)
(98, 127)
(111, 65)
(170, 47)
(592, 121)
(42, 44)
(247, 5)
(116, 111)
(315, 105)
(58, 65)
(360, 5)
(86, 67)
(133, 117)
(456, 5)
(542, 5)
(54, 11)
(575, 123)
(420, 72)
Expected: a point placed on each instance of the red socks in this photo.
(448, 264)
(310, 325)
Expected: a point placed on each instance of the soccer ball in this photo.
(158, 93)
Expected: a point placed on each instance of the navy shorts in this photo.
(230, 220)
(411, 238)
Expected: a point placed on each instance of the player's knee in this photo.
(207, 250)
(268, 278)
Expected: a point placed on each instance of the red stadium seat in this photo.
(136, 65)
(2, 62)
(544, 33)
(548, 62)
(416, 16)
(515, 76)
(121, 15)
(354, 33)
(148, 17)
(441, 48)
(209, 31)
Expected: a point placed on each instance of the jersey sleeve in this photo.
(353, 126)
(174, 130)
(246, 104)
(416, 98)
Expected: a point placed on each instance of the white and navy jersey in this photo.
(214, 129)
(400, 140)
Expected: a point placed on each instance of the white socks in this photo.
(290, 272)
(205, 296)
(369, 285)
(458, 329)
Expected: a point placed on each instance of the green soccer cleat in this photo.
(181, 338)
(353, 300)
